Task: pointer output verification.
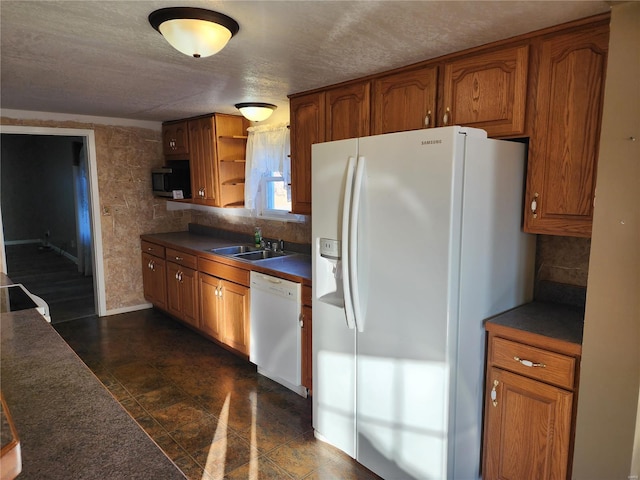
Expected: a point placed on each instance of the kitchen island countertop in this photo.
(68, 423)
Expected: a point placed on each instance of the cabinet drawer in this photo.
(226, 272)
(546, 366)
(306, 295)
(181, 258)
(153, 249)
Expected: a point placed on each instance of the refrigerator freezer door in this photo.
(333, 341)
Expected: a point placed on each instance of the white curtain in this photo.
(268, 151)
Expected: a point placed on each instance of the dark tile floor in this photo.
(209, 410)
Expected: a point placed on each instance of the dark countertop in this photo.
(68, 423)
(552, 320)
(296, 267)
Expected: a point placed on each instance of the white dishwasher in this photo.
(275, 345)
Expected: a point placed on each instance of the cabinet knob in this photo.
(534, 205)
(446, 117)
(494, 393)
(427, 119)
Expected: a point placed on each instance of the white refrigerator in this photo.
(416, 240)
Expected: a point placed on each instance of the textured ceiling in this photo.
(103, 58)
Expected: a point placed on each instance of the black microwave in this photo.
(170, 179)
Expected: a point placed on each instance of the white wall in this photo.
(610, 369)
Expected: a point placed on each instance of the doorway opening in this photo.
(50, 237)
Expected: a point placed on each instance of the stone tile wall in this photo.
(563, 259)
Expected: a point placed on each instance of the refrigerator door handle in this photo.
(353, 244)
(344, 242)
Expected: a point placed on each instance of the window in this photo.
(275, 194)
(268, 170)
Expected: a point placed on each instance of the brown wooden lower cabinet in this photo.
(182, 293)
(529, 411)
(224, 311)
(154, 279)
(307, 339)
(528, 428)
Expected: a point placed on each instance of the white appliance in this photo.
(416, 240)
(275, 345)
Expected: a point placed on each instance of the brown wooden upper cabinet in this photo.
(231, 151)
(405, 100)
(488, 91)
(347, 111)
(307, 114)
(175, 140)
(559, 109)
(563, 149)
(202, 161)
(218, 148)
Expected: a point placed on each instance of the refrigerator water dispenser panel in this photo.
(328, 280)
(329, 248)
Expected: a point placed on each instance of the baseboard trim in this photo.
(39, 241)
(133, 308)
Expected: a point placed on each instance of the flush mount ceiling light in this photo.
(255, 111)
(194, 31)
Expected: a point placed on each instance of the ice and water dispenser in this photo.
(328, 281)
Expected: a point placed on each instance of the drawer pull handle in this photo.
(529, 363)
(494, 394)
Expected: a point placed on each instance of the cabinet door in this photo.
(563, 150)
(188, 281)
(154, 280)
(307, 127)
(347, 112)
(307, 344)
(202, 161)
(405, 101)
(173, 290)
(235, 301)
(182, 299)
(487, 91)
(527, 428)
(210, 306)
(175, 140)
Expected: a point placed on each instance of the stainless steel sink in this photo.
(259, 255)
(248, 252)
(234, 250)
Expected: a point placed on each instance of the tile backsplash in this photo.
(562, 266)
(563, 259)
(296, 232)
